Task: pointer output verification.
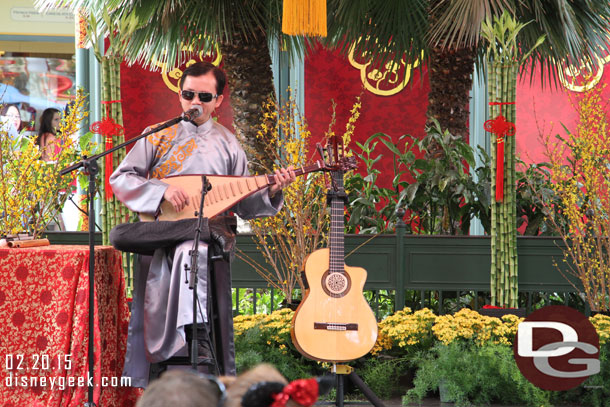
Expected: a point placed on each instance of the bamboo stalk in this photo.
(515, 260)
(120, 155)
(491, 90)
(110, 109)
(504, 204)
(511, 184)
(121, 214)
(106, 84)
(502, 250)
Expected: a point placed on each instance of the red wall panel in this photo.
(330, 76)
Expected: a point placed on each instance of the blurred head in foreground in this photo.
(263, 386)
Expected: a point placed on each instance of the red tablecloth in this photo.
(44, 329)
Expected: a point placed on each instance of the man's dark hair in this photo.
(202, 68)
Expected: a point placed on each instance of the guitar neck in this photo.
(317, 166)
(336, 238)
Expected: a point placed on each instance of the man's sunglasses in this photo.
(204, 97)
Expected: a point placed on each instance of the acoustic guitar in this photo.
(334, 322)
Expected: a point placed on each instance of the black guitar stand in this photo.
(346, 372)
(343, 374)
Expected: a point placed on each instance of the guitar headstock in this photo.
(335, 161)
(333, 156)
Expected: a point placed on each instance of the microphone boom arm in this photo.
(81, 163)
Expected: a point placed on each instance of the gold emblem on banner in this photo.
(584, 77)
(386, 80)
(172, 78)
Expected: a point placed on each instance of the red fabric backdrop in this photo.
(545, 110)
(330, 76)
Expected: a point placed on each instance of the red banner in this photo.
(330, 76)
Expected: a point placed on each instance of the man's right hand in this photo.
(177, 197)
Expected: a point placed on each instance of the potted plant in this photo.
(440, 195)
(32, 191)
(473, 362)
(300, 227)
(579, 167)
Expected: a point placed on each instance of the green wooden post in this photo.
(400, 260)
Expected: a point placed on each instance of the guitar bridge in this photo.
(332, 326)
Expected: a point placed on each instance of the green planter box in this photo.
(443, 263)
(446, 263)
(72, 237)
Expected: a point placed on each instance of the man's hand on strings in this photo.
(283, 178)
(177, 197)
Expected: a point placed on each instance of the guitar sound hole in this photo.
(336, 284)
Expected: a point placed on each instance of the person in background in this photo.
(11, 119)
(47, 134)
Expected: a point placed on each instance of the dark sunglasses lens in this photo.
(188, 95)
(205, 97)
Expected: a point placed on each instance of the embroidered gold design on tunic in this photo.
(174, 162)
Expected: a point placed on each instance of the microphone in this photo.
(192, 113)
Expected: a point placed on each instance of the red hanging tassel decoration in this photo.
(501, 128)
(107, 128)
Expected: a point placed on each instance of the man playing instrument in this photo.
(162, 312)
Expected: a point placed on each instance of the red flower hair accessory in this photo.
(302, 391)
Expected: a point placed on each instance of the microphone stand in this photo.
(193, 278)
(89, 165)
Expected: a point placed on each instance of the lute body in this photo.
(226, 191)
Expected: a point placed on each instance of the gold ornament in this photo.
(384, 81)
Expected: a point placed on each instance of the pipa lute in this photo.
(227, 190)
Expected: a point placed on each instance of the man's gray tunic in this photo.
(163, 305)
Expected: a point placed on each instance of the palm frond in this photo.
(155, 32)
(576, 31)
(457, 23)
(150, 31)
(380, 29)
